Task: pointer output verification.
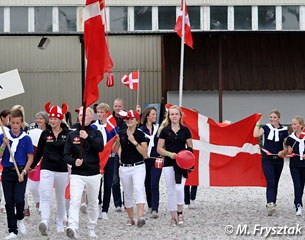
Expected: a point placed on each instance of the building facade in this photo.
(253, 49)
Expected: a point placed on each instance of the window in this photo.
(167, 18)
(242, 18)
(118, 19)
(266, 17)
(43, 19)
(142, 18)
(19, 19)
(219, 18)
(290, 17)
(67, 19)
(194, 15)
(1, 19)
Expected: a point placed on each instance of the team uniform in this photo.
(297, 168)
(53, 174)
(132, 169)
(153, 174)
(273, 164)
(175, 177)
(14, 190)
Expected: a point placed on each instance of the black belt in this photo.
(13, 168)
(131, 164)
(273, 157)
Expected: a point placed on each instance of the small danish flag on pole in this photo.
(131, 81)
(111, 122)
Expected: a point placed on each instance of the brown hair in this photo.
(145, 114)
(17, 113)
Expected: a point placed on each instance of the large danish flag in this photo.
(131, 81)
(97, 53)
(226, 154)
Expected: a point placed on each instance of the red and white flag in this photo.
(97, 53)
(111, 122)
(302, 134)
(188, 39)
(226, 155)
(131, 81)
(104, 155)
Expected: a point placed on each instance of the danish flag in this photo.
(111, 122)
(188, 39)
(131, 81)
(226, 155)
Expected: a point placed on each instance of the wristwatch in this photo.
(24, 171)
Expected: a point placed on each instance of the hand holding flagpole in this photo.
(10, 151)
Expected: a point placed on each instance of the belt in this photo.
(273, 157)
(13, 168)
(131, 164)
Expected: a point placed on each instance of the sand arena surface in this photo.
(243, 208)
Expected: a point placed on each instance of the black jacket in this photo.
(91, 148)
(52, 150)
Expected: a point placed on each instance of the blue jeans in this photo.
(152, 180)
(108, 179)
(116, 189)
(272, 171)
(14, 198)
(298, 178)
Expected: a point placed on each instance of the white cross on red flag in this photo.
(226, 154)
(131, 81)
(188, 39)
(111, 122)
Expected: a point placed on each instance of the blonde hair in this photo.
(20, 108)
(103, 107)
(167, 120)
(300, 120)
(276, 112)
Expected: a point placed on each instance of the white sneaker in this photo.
(91, 233)
(21, 227)
(154, 214)
(192, 205)
(118, 209)
(83, 208)
(299, 210)
(43, 228)
(11, 236)
(71, 233)
(105, 216)
(270, 208)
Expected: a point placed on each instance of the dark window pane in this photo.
(242, 17)
(142, 18)
(266, 17)
(167, 18)
(67, 19)
(290, 17)
(118, 19)
(19, 19)
(219, 18)
(1, 19)
(194, 15)
(43, 19)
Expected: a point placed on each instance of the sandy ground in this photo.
(221, 213)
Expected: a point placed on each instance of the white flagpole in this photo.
(182, 55)
(138, 90)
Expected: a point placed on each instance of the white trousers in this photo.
(77, 185)
(48, 181)
(133, 179)
(175, 192)
(33, 186)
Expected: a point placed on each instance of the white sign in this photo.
(10, 84)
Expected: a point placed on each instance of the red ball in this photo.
(185, 159)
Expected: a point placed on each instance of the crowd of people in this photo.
(51, 154)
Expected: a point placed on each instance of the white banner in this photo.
(10, 84)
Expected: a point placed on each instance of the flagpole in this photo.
(138, 90)
(182, 55)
